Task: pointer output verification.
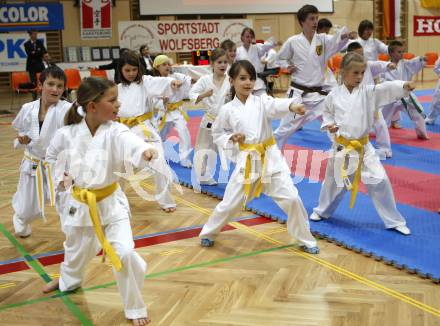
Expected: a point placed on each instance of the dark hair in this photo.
(304, 11)
(133, 59)
(393, 45)
(217, 53)
(123, 50)
(234, 71)
(324, 23)
(248, 29)
(364, 25)
(91, 90)
(227, 44)
(54, 72)
(143, 47)
(353, 46)
(32, 31)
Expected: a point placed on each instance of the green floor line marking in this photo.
(148, 276)
(35, 265)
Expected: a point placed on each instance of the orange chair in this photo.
(335, 63)
(383, 57)
(431, 58)
(73, 79)
(408, 56)
(98, 73)
(18, 78)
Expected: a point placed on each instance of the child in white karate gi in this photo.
(91, 150)
(254, 53)
(171, 112)
(350, 111)
(435, 105)
(212, 90)
(231, 51)
(244, 130)
(135, 93)
(405, 70)
(373, 70)
(308, 54)
(36, 124)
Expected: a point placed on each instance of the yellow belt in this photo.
(40, 181)
(90, 197)
(172, 107)
(138, 121)
(260, 149)
(358, 146)
(210, 116)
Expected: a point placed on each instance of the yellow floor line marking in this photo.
(322, 262)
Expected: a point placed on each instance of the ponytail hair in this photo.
(91, 90)
(234, 71)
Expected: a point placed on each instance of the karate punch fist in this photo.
(333, 128)
(24, 140)
(297, 108)
(238, 138)
(409, 86)
(150, 154)
(175, 84)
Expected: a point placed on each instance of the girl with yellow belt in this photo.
(243, 130)
(350, 112)
(135, 93)
(91, 150)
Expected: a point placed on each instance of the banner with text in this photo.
(426, 25)
(96, 19)
(26, 16)
(12, 53)
(179, 35)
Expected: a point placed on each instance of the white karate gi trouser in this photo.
(81, 245)
(282, 191)
(162, 181)
(181, 127)
(204, 168)
(383, 140)
(291, 122)
(25, 200)
(435, 106)
(375, 179)
(390, 110)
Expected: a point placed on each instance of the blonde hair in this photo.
(349, 60)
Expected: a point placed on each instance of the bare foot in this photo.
(422, 137)
(140, 321)
(51, 286)
(25, 236)
(169, 209)
(395, 125)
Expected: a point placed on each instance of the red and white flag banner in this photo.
(96, 19)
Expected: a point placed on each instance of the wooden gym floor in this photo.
(253, 276)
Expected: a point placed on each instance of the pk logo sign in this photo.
(12, 53)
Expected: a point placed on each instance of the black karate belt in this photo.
(306, 89)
